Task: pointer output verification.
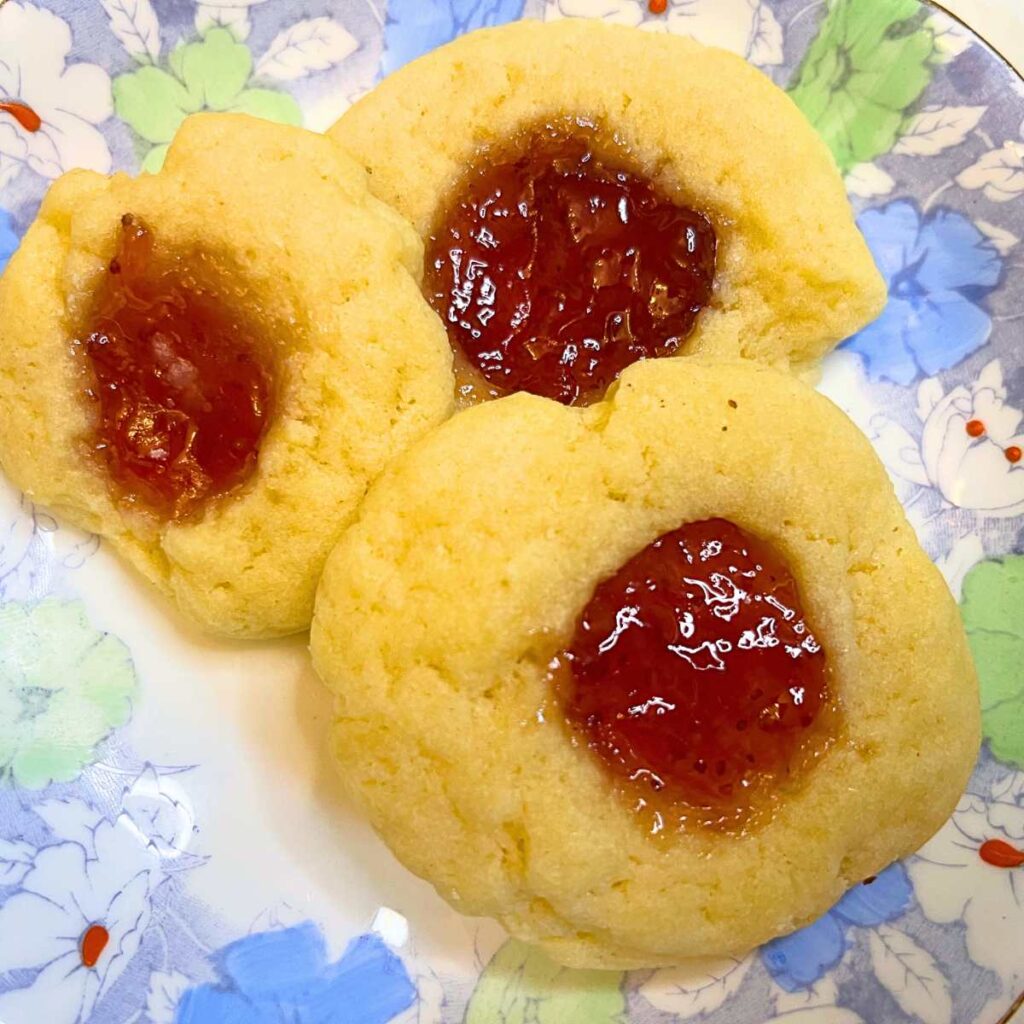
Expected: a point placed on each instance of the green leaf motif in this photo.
(268, 104)
(153, 102)
(210, 74)
(215, 70)
(522, 986)
(869, 63)
(155, 158)
(63, 688)
(993, 612)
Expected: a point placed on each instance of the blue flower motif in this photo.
(798, 960)
(938, 268)
(415, 27)
(8, 238)
(283, 977)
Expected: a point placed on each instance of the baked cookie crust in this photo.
(794, 274)
(363, 366)
(473, 555)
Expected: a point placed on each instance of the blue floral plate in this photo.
(172, 846)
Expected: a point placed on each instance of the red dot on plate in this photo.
(657, 6)
(94, 941)
(1013, 453)
(975, 428)
(23, 114)
(1000, 854)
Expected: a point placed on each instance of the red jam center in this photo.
(554, 271)
(182, 383)
(695, 675)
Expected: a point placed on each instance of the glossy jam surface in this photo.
(182, 382)
(554, 271)
(695, 676)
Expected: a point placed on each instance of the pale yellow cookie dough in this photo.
(469, 564)
(363, 366)
(794, 274)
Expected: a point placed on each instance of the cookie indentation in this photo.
(554, 269)
(694, 675)
(182, 380)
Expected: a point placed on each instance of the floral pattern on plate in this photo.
(220, 876)
(938, 268)
(63, 688)
(52, 105)
(285, 974)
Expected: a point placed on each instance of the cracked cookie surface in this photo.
(473, 558)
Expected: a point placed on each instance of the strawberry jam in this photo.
(182, 381)
(694, 675)
(554, 271)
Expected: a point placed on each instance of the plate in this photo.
(173, 846)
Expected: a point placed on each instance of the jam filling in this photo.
(695, 676)
(554, 271)
(182, 382)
